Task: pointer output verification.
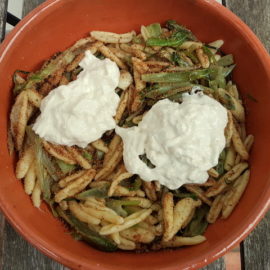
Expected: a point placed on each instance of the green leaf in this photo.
(177, 60)
(99, 192)
(220, 166)
(185, 76)
(192, 56)
(117, 206)
(132, 209)
(217, 78)
(226, 60)
(87, 234)
(44, 168)
(173, 25)
(87, 155)
(151, 31)
(43, 159)
(179, 35)
(136, 184)
(198, 224)
(174, 41)
(65, 167)
(228, 70)
(229, 102)
(170, 90)
(182, 195)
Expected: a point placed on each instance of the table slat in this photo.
(29, 5)
(255, 250)
(20, 255)
(256, 14)
(219, 264)
(3, 11)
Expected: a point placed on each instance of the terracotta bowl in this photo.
(53, 27)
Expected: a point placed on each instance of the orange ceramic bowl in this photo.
(54, 26)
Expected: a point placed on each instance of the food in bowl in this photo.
(136, 141)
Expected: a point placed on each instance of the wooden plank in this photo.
(15, 252)
(256, 14)
(3, 12)
(216, 265)
(2, 227)
(255, 250)
(19, 254)
(29, 5)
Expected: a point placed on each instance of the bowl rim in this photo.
(212, 254)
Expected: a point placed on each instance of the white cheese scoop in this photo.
(182, 141)
(80, 112)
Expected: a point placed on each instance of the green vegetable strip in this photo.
(173, 25)
(117, 206)
(182, 195)
(151, 31)
(228, 70)
(217, 78)
(220, 166)
(131, 209)
(177, 60)
(174, 41)
(87, 155)
(88, 235)
(184, 76)
(198, 224)
(100, 192)
(162, 88)
(41, 155)
(65, 168)
(192, 56)
(226, 60)
(154, 30)
(229, 102)
(162, 42)
(136, 185)
(174, 92)
(42, 160)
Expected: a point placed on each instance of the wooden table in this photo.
(17, 254)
